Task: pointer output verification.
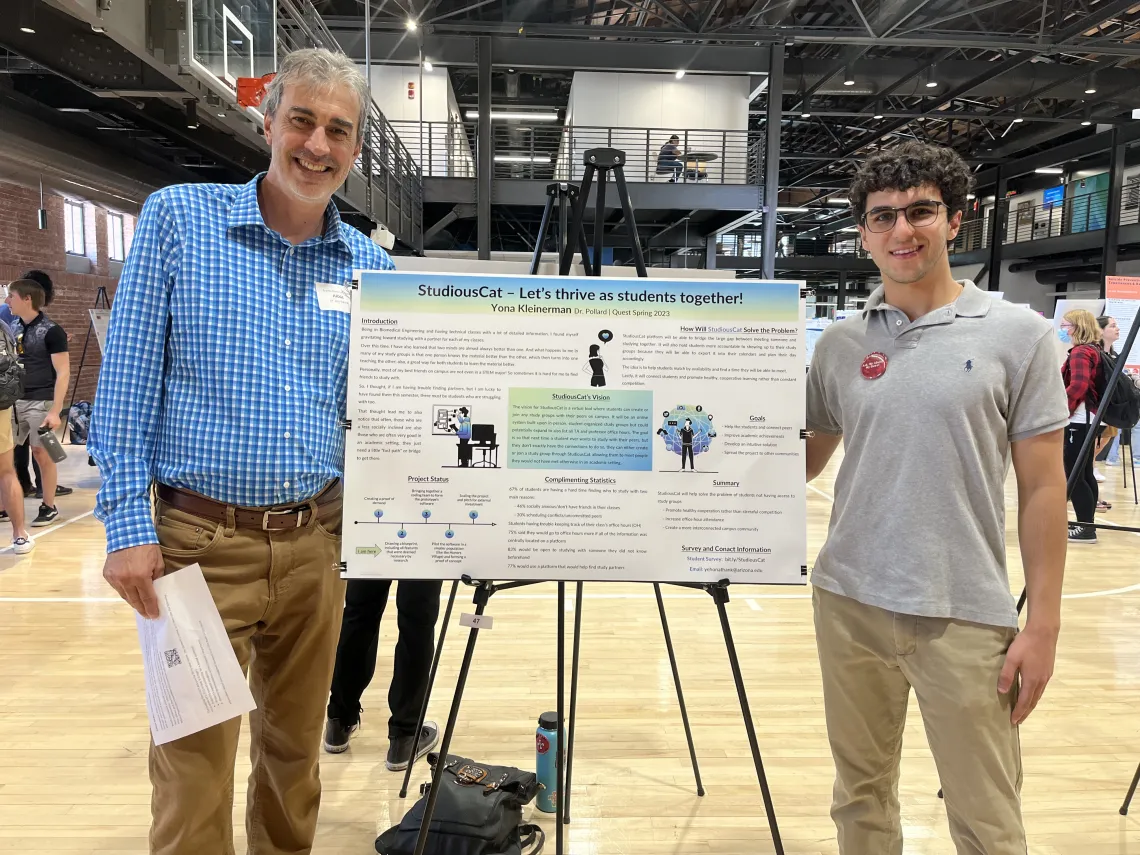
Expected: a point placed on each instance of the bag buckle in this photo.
(265, 517)
(468, 774)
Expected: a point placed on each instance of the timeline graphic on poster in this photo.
(526, 427)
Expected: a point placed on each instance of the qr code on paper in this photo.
(172, 658)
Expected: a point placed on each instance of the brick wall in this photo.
(23, 246)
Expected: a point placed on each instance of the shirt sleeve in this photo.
(56, 340)
(1037, 396)
(822, 414)
(127, 414)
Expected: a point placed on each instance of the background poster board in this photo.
(101, 319)
(1123, 299)
(532, 427)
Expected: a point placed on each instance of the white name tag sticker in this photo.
(334, 298)
(476, 621)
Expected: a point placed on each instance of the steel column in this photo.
(841, 292)
(1115, 199)
(485, 160)
(772, 160)
(997, 230)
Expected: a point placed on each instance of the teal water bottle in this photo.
(546, 746)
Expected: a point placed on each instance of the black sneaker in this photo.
(59, 491)
(1077, 534)
(337, 735)
(3, 516)
(400, 748)
(47, 516)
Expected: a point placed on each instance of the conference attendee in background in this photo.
(23, 456)
(933, 389)
(1107, 436)
(42, 345)
(669, 159)
(12, 497)
(223, 386)
(1081, 332)
(417, 607)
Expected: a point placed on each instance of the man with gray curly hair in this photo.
(934, 389)
(222, 391)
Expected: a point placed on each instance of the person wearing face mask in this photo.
(222, 389)
(1080, 330)
(935, 388)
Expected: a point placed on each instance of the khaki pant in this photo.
(870, 659)
(280, 599)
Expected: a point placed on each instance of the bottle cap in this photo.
(548, 721)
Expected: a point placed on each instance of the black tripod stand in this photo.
(566, 195)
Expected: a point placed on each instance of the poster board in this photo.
(535, 427)
(1122, 301)
(100, 320)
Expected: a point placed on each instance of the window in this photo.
(115, 247)
(73, 237)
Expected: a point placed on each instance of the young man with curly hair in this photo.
(934, 389)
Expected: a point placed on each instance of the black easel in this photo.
(1071, 482)
(1126, 446)
(102, 301)
(1131, 792)
(564, 195)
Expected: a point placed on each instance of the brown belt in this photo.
(274, 518)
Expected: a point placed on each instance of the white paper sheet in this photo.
(193, 679)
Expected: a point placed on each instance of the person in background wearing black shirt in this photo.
(42, 345)
(22, 452)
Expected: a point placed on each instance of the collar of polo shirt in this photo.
(245, 211)
(971, 303)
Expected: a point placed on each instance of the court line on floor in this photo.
(36, 535)
(815, 489)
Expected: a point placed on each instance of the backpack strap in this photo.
(531, 835)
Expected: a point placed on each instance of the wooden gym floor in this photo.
(73, 726)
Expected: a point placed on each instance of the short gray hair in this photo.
(321, 68)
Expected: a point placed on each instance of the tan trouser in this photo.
(281, 600)
(870, 659)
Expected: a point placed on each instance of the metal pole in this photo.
(772, 160)
(486, 161)
(366, 131)
(677, 683)
(1112, 221)
(997, 230)
(841, 291)
(564, 796)
(559, 762)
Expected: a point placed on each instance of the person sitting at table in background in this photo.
(669, 159)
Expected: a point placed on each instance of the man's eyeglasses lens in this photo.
(917, 214)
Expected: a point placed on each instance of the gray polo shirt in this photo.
(918, 525)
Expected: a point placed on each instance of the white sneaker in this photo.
(1098, 475)
(23, 545)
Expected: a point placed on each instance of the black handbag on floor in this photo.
(478, 811)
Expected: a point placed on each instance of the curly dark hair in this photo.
(912, 165)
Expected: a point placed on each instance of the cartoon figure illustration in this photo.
(462, 427)
(596, 365)
(687, 431)
(687, 435)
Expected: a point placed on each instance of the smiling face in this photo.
(315, 139)
(907, 254)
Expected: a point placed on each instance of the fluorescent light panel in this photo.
(1049, 170)
(522, 158)
(523, 117)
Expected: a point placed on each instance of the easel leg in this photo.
(560, 766)
(482, 594)
(542, 228)
(573, 703)
(677, 683)
(1131, 792)
(599, 223)
(1132, 466)
(576, 225)
(719, 593)
(431, 683)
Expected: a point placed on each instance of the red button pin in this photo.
(874, 366)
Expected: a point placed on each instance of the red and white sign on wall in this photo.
(1122, 301)
(411, 91)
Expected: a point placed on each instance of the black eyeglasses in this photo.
(918, 214)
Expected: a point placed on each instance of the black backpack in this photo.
(478, 811)
(1123, 409)
(11, 371)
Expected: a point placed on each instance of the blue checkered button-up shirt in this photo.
(222, 374)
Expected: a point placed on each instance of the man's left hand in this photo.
(51, 420)
(1031, 655)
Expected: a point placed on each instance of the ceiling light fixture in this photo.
(27, 20)
(878, 110)
(1049, 170)
(522, 117)
(680, 73)
(848, 76)
(1086, 118)
(427, 65)
(805, 112)
(522, 158)
(191, 113)
(932, 76)
(838, 201)
(1090, 84)
(412, 25)
(791, 209)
